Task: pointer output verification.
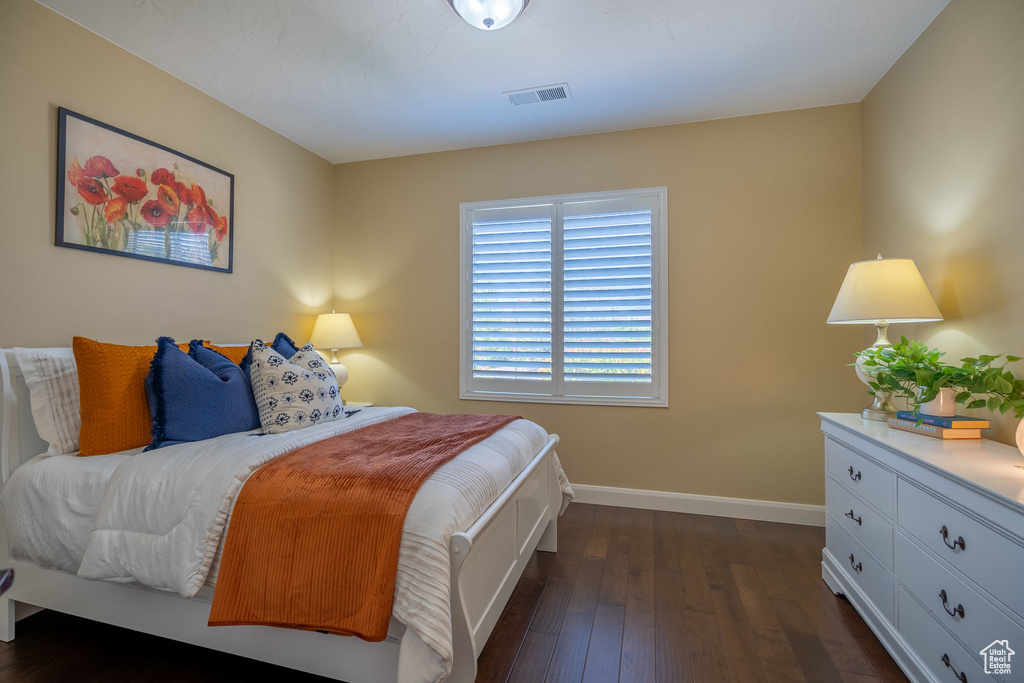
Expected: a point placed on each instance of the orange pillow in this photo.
(235, 354)
(111, 379)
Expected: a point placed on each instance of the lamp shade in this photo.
(334, 331)
(890, 290)
(488, 14)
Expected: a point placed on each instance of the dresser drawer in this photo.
(873, 578)
(926, 579)
(862, 522)
(932, 644)
(990, 559)
(870, 481)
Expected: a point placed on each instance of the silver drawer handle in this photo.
(952, 546)
(858, 567)
(855, 477)
(960, 676)
(860, 521)
(957, 611)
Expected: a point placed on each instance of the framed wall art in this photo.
(121, 194)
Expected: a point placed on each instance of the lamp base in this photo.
(878, 415)
(340, 372)
(881, 409)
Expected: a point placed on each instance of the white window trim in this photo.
(659, 303)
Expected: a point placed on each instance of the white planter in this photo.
(943, 406)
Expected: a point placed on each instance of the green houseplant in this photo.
(917, 373)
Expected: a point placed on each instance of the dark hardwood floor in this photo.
(635, 595)
(631, 595)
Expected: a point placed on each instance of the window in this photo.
(564, 299)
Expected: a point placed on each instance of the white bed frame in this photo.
(487, 560)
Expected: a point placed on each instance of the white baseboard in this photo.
(743, 508)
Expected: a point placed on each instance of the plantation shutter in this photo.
(563, 299)
(511, 280)
(607, 318)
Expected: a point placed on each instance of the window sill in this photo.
(625, 401)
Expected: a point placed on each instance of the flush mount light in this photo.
(488, 14)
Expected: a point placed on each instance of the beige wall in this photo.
(283, 203)
(764, 218)
(943, 166)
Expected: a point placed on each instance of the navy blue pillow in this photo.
(196, 395)
(283, 344)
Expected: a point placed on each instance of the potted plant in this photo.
(915, 372)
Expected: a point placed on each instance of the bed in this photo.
(486, 555)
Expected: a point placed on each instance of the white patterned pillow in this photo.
(293, 393)
(52, 379)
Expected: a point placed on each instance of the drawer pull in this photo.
(860, 521)
(858, 567)
(952, 546)
(960, 676)
(957, 611)
(855, 477)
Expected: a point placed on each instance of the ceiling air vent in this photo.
(547, 93)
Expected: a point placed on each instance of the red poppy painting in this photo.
(121, 194)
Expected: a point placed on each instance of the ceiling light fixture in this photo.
(488, 14)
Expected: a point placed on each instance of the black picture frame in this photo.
(139, 199)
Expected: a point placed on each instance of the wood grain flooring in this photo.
(651, 597)
(631, 596)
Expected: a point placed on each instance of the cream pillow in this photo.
(52, 379)
(293, 393)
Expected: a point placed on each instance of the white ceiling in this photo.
(365, 79)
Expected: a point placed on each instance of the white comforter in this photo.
(161, 520)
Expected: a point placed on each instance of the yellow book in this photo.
(932, 430)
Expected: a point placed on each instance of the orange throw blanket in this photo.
(314, 536)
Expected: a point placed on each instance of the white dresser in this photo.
(925, 538)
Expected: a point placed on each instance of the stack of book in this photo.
(957, 427)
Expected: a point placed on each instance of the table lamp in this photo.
(335, 331)
(880, 292)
